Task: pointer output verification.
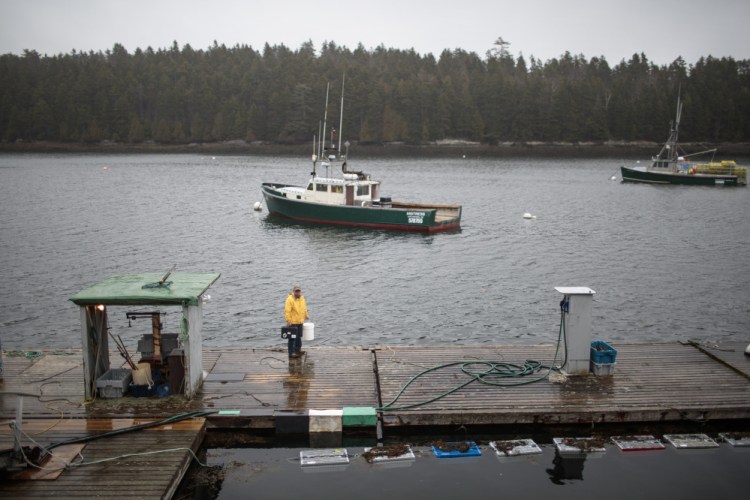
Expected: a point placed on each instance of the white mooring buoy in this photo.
(527, 215)
(257, 207)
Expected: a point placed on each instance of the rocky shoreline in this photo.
(609, 149)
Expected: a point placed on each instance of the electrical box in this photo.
(576, 315)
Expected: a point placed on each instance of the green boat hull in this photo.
(401, 216)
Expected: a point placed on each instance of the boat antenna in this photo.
(341, 112)
(677, 121)
(314, 156)
(325, 119)
(320, 146)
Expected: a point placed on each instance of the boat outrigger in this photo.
(353, 198)
(671, 167)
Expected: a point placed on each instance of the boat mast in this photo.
(676, 130)
(325, 118)
(341, 112)
(670, 147)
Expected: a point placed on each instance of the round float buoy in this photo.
(527, 215)
(257, 207)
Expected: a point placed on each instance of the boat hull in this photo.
(670, 177)
(400, 216)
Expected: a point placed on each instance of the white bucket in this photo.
(308, 331)
(142, 375)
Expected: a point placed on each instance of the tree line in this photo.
(182, 95)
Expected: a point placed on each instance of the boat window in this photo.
(310, 187)
(363, 190)
(321, 187)
(337, 189)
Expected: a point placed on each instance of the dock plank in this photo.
(653, 382)
(148, 463)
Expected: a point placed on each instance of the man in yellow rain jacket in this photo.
(295, 313)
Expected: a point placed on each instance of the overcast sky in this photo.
(615, 29)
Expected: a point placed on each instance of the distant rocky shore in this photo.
(445, 148)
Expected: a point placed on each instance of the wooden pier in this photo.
(652, 383)
(142, 464)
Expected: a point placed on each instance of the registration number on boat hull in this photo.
(415, 217)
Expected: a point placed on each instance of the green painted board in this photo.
(359, 416)
(133, 289)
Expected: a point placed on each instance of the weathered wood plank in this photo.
(649, 380)
(147, 463)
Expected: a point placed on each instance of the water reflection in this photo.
(297, 383)
(566, 468)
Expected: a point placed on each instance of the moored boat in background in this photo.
(352, 198)
(671, 167)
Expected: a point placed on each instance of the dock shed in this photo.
(181, 289)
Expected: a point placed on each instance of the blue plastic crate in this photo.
(471, 451)
(602, 353)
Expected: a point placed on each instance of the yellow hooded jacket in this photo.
(295, 310)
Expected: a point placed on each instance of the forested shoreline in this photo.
(244, 99)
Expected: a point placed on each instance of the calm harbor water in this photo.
(667, 263)
(614, 474)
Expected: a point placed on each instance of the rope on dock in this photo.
(30, 355)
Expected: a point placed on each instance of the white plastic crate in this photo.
(514, 447)
(113, 383)
(602, 369)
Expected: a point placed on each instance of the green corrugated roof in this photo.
(128, 289)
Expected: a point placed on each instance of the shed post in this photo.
(192, 336)
(95, 343)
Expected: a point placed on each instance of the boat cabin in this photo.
(351, 190)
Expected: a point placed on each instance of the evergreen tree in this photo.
(180, 95)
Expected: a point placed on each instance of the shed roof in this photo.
(133, 289)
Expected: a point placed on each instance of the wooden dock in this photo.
(652, 383)
(143, 464)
